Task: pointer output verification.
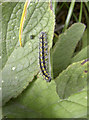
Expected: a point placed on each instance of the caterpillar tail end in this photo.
(49, 80)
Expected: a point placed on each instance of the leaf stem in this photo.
(69, 15)
(80, 15)
(73, 13)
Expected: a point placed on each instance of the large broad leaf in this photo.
(65, 46)
(73, 79)
(83, 54)
(40, 100)
(20, 65)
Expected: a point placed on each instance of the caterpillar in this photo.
(43, 52)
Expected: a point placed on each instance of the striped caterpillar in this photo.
(43, 50)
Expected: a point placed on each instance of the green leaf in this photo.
(20, 65)
(85, 39)
(65, 46)
(6, 13)
(40, 100)
(81, 55)
(73, 79)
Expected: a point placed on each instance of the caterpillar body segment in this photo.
(43, 56)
